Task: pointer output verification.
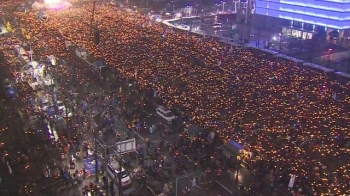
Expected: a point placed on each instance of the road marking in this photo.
(139, 135)
(20, 113)
(196, 183)
(224, 187)
(149, 188)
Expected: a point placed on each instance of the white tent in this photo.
(34, 64)
(67, 4)
(37, 6)
(3, 29)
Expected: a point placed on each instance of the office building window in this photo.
(287, 23)
(308, 26)
(297, 24)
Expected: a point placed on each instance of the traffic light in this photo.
(97, 37)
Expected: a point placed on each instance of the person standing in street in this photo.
(148, 143)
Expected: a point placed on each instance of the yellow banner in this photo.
(9, 27)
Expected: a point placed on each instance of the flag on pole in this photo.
(335, 96)
(9, 27)
(84, 104)
(291, 181)
(9, 167)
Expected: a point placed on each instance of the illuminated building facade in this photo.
(300, 18)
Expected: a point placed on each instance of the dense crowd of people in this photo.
(294, 118)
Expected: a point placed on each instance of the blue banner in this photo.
(89, 165)
(84, 105)
(51, 111)
(12, 92)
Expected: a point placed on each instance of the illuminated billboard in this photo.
(327, 13)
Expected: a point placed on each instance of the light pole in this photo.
(329, 56)
(223, 6)
(30, 51)
(247, 11)
(235, 2)
(106, 157)
(95, 135)
(92, 16)
(280, 41)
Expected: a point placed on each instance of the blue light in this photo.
(327, 13)
(12, 92)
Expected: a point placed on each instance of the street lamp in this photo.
(223, 5)
(173, 2)
(280, 43)
(235, 2)
(92, 15)
(329, 53)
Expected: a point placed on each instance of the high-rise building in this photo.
(300, 18)
(245, 10)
